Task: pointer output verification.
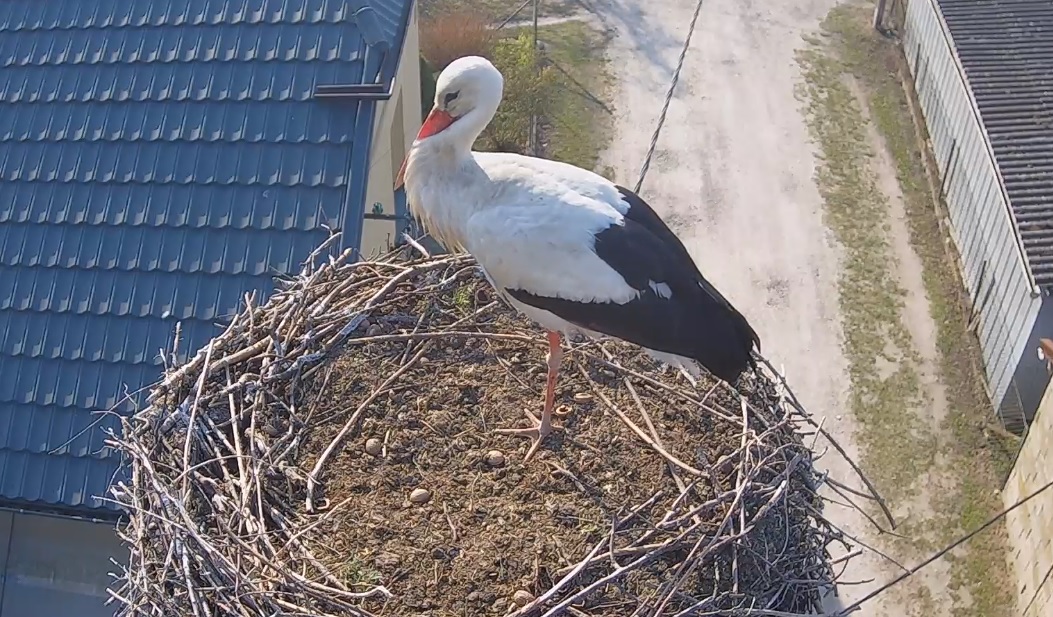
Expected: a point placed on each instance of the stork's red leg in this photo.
(544, 426)
(554, 359)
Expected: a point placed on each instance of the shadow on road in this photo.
(628, 20)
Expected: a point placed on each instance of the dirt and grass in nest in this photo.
(449, 517)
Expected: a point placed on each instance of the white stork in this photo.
(569, 249)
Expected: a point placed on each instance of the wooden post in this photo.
(535, 147)
(879, 16)
(536, 3)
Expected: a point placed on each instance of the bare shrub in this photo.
(525, 93)
(449, 36)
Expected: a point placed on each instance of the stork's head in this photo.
(467, 84)
(467, 95)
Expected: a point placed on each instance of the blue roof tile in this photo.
(211, 250)
(158, 161)
(165, 295)
(246, 122)
(390, 16)
(180, 44)
(59, 430)
(57, 479)
(91, 338)
(179, 82)
(50, 16)
(172, 205)
(291, 164)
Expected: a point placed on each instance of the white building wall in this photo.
(397, 122)
(55, 566)
(1005, 300)
(1030, 526)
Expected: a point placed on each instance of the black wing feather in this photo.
(696, 321)
(641, 212)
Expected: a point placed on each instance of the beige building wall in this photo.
(1030, 526)
(397, 122)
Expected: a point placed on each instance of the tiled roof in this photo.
(158, 160)
(1006, 49)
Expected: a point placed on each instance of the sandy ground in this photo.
(733, 174)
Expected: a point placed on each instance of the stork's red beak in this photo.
(436, 122)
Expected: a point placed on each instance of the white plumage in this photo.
(565, 246)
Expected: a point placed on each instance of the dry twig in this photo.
(222, 502)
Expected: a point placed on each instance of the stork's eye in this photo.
(450, 97)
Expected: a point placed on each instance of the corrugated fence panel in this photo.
(992, 258)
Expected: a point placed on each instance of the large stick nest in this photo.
(332, 453)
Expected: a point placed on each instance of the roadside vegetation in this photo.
(852, 73)
(577, 122)
(563, 82)
(883, 363)
(497, 10)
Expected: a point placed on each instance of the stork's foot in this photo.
(536, 433)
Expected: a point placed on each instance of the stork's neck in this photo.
(446, 157)
(445, 185)
(459, 136)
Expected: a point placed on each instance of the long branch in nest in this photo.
(331, 453)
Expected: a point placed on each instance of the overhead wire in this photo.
(668, 98)
(950, 547)
(670, 93)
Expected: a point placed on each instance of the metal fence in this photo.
(1005, 299)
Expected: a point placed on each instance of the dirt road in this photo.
(733, 175)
